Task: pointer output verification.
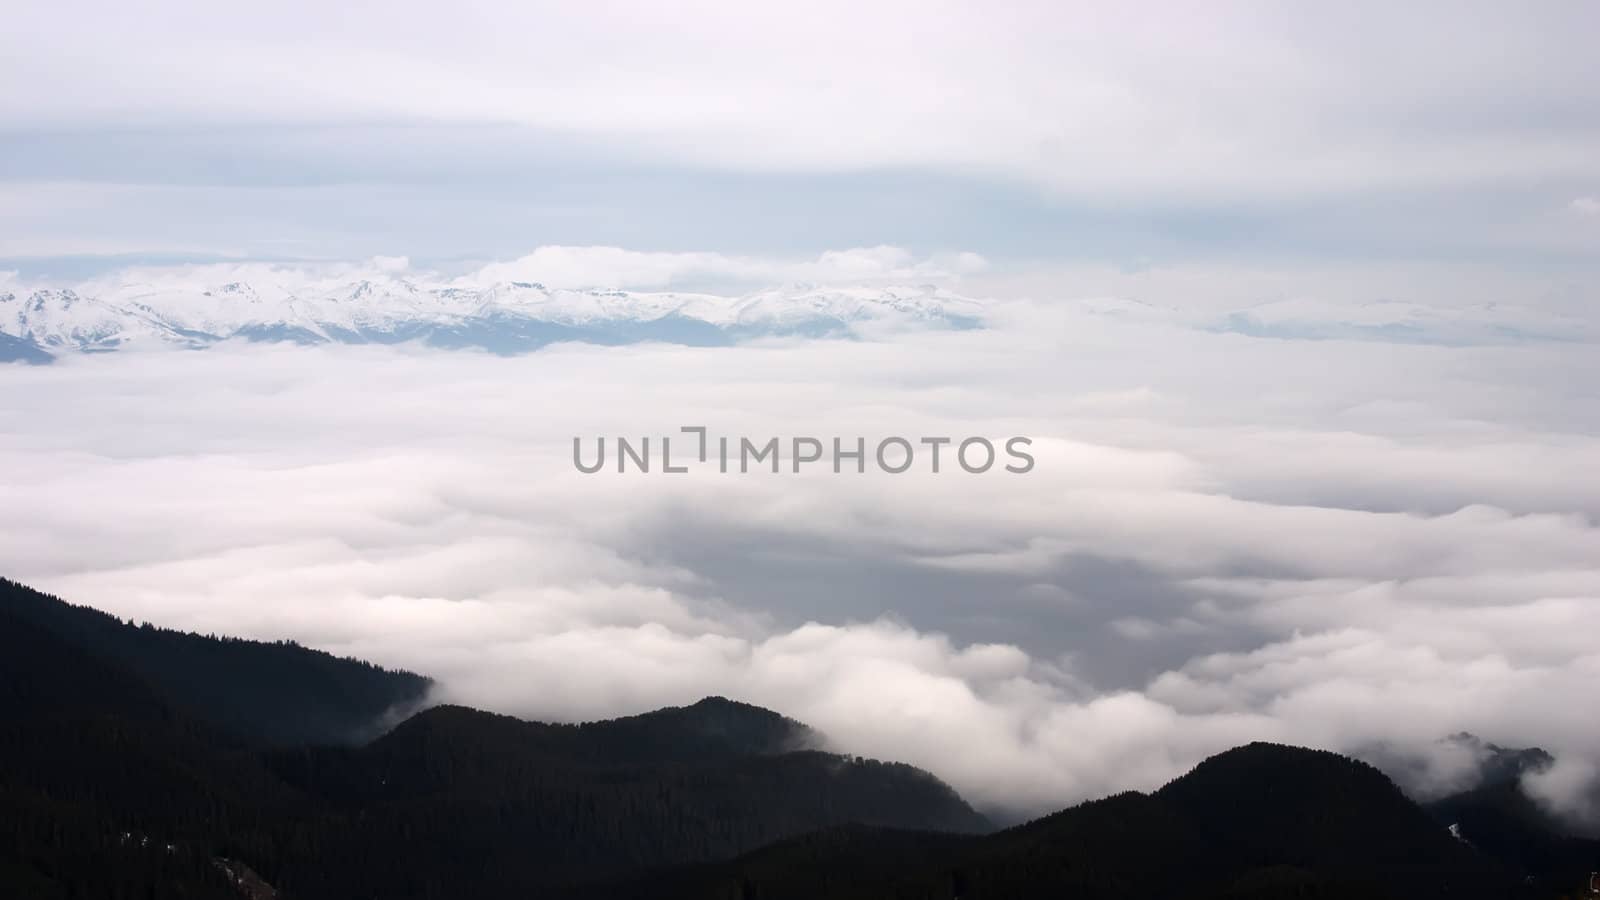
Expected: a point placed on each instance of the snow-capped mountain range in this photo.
(200, 307)
(508, 317)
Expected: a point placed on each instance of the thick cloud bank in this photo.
(1342, 539)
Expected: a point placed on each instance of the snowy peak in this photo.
(505, 317)
(65, 320)
(800, 304)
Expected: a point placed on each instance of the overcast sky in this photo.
(1131, 134)
(1344, 542)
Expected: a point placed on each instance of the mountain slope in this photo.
(714, 729)
(16, 349)
(1499, 818)
(109, 786)
(269, 694)
(1319, 811)
(106, 790)
(1260, 821)
(534, 805)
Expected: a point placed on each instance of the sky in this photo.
(1138, 135)
(1307, 530)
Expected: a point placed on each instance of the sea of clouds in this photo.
(1227, 537)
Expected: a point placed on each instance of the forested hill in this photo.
(509, 808)
(1261, 821)
(267, 694)
(106, 791)
(1500, 819)
(713, 729)
(118, 780)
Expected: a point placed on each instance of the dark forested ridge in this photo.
(526, 806)
(115, 781)
(1498, 818)
(119, 780)
(1260, 821)
(105, 789)
(268, 694)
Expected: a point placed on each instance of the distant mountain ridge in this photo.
(506, 317)
(181, 309)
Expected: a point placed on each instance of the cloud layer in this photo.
(1244, 96)
(1226, 537)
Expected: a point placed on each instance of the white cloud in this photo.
(1237, 99)
(1226, 538)
(558, 266)
(390, 263)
